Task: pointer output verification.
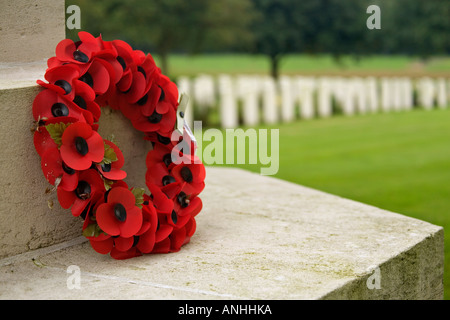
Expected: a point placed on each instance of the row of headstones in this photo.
(265, 100)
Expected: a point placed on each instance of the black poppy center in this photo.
(60, 110)
(162, 95)
(167, 180)
(182, 199)
(106, 167)
(80, 56)
(155, 117)
(81, 146)
(87, 78)
(67, 169)
(162, 139)
(122, 62)
(141, 70)
(120, 212)
(65, 85)
(186, 174)
(142, 100)
(80, 102)
(83, 190)
(167, 159)
(174, 217)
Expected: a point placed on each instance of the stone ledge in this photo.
(257, 238)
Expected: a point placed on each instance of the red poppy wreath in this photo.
(86, 169)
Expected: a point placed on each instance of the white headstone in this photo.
(372, 94)
(442, 101)
(324, 96)
(204, 91)
(248, 88)
(386, 94)
(426, 92)
(228, 105)
(348, 99)
(287, 99)
(305, 86)
(269, 100)
(406, 89)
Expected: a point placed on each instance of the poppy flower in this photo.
(81, 146)
(53, 168)
(77, 52)
(119, 216)
(42, 139)
(98, 76)
(158, 107)
(112, 171)
(159, 153)
(124, 248)
(84, 99)
(62, 79)
(49, 104)
(193, 175)
(89, 185)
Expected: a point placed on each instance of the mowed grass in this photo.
(395, 161)
(192, 65)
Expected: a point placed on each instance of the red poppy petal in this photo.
(162, 247)
(160, 200)
(123, 244)
(123, 196)
(103, 247)
(146, 242)
(119, 255)
(73, 159)
(100, 76)
(64, 49)
(163, 232)
(132, 224)
(51, 164)
(96, 147)
(78, 206)
(67, 72)
(78, 129)
(113, 174)
(163, 107)
(65, 198)
(69, 182)
(190, 227)
(177, 239)
(107, 220)
(137, 89)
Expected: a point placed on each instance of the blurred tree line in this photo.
(270, 27)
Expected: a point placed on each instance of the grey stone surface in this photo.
(257, 238)
(30, 30)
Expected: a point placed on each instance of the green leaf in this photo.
(56, 131)
(107, 183)
(139, 196)
(109, 156)
(92, 230)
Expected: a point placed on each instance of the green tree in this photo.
(287, 26)
(167, 26)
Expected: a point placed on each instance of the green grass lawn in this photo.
(395, 161)
(188, 65)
